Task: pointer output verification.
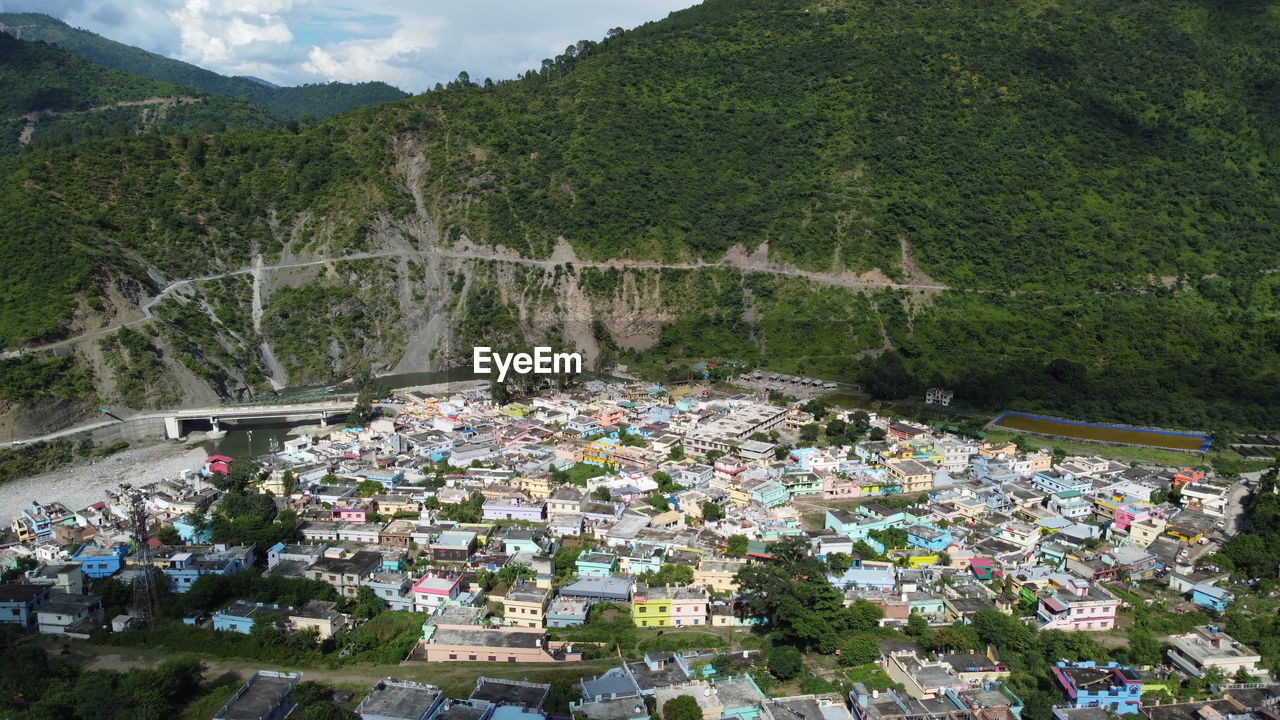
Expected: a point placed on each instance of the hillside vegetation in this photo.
(1095, 180)
(318, 101)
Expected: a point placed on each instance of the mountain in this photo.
(1066, 208)
(49, 96)
(320, 100)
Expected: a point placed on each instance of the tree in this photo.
(658, 502)
(369, 488)
(839, 563)
(809, 433)
(737, 545)
(711, 511)
(784, 661)
(864, 615)
(859, 649)
(168, 535)
(676, 453)
(917, 626)
(877, 434)
(241, 473)
(944, 558)
(289, 482)
(682, 707)
(368, 605)
(602, 493)
(816, 407)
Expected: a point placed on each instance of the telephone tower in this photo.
(146, 598)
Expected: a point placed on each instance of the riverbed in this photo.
(86, 482)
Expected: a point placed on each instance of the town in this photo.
(689, 552)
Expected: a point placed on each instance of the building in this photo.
(567, 612)
(346, 573)
(597, 589)
(471, 643)
(453, 546)
(268, 695)
(718, 575)
(669, 606)
(19, 603)
(392, 588)
(319, 615)
(99, 562)
(1078, 605)
(435, 589)
(1112, 686)
(240, 617)
(392, 699)
(65, 614)
(1207, 647)
(525, 606)
(513, 509)
(1211, 596)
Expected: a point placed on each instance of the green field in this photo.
(1101, 433)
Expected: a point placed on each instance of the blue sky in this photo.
(412, 45)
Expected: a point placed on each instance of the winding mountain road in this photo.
(257, 268)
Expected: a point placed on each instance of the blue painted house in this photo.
(596, 564)
(189, 533)
(928, 537)
(1211, 597)
(99, 562)
(1112, 687)
(184, 568)
(240, 617)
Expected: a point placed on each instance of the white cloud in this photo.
(409, 43)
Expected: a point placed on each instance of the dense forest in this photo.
(317, 101)
(1096, 182)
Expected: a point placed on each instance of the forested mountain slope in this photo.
(1095, 181)
(317, 101)
(49, 96)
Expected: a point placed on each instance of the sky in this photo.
(412, 44)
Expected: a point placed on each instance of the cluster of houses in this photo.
(930, 523)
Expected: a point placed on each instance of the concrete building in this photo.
(1088, 685)
(266, 696)
(1207, 647)
(393, 699)
(19, 603)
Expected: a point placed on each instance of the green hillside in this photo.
(320, 100)
(50, 97)
(1095, 180)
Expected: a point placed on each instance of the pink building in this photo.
(609, 416)
(1127, 515)
(434, 589)
(835, 487)
(1080, 605)
(346, 513)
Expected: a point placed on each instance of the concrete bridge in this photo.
(174, 419)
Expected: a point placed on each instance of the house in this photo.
(525, 606)
(319, 615)
(766, 492)
(513, 509)
(64, 614)
(1078, 605)
(669, 606)
(490, 692)
(928, 537)
(599, 589)
(345, 573)
(913, 476)
(1112, 686)
(184, 568)
(1055, 481)
(453, 546)
(19, 603)
(596, 564)
(392, 699)
(350, 514)
(240, 617)
(567, 612)
(434, 589)
(718, 575)
(99, 562)
(1211, 596)
(827, 706)
(268, 695)
(1208, 647)
(392, 588)
(471, 643)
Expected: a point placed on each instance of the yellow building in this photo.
(525, 606)
(718, 575)
(913, 476)
(536, 486)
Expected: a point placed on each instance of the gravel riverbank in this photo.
(87, 481)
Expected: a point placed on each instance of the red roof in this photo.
(219, 458)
